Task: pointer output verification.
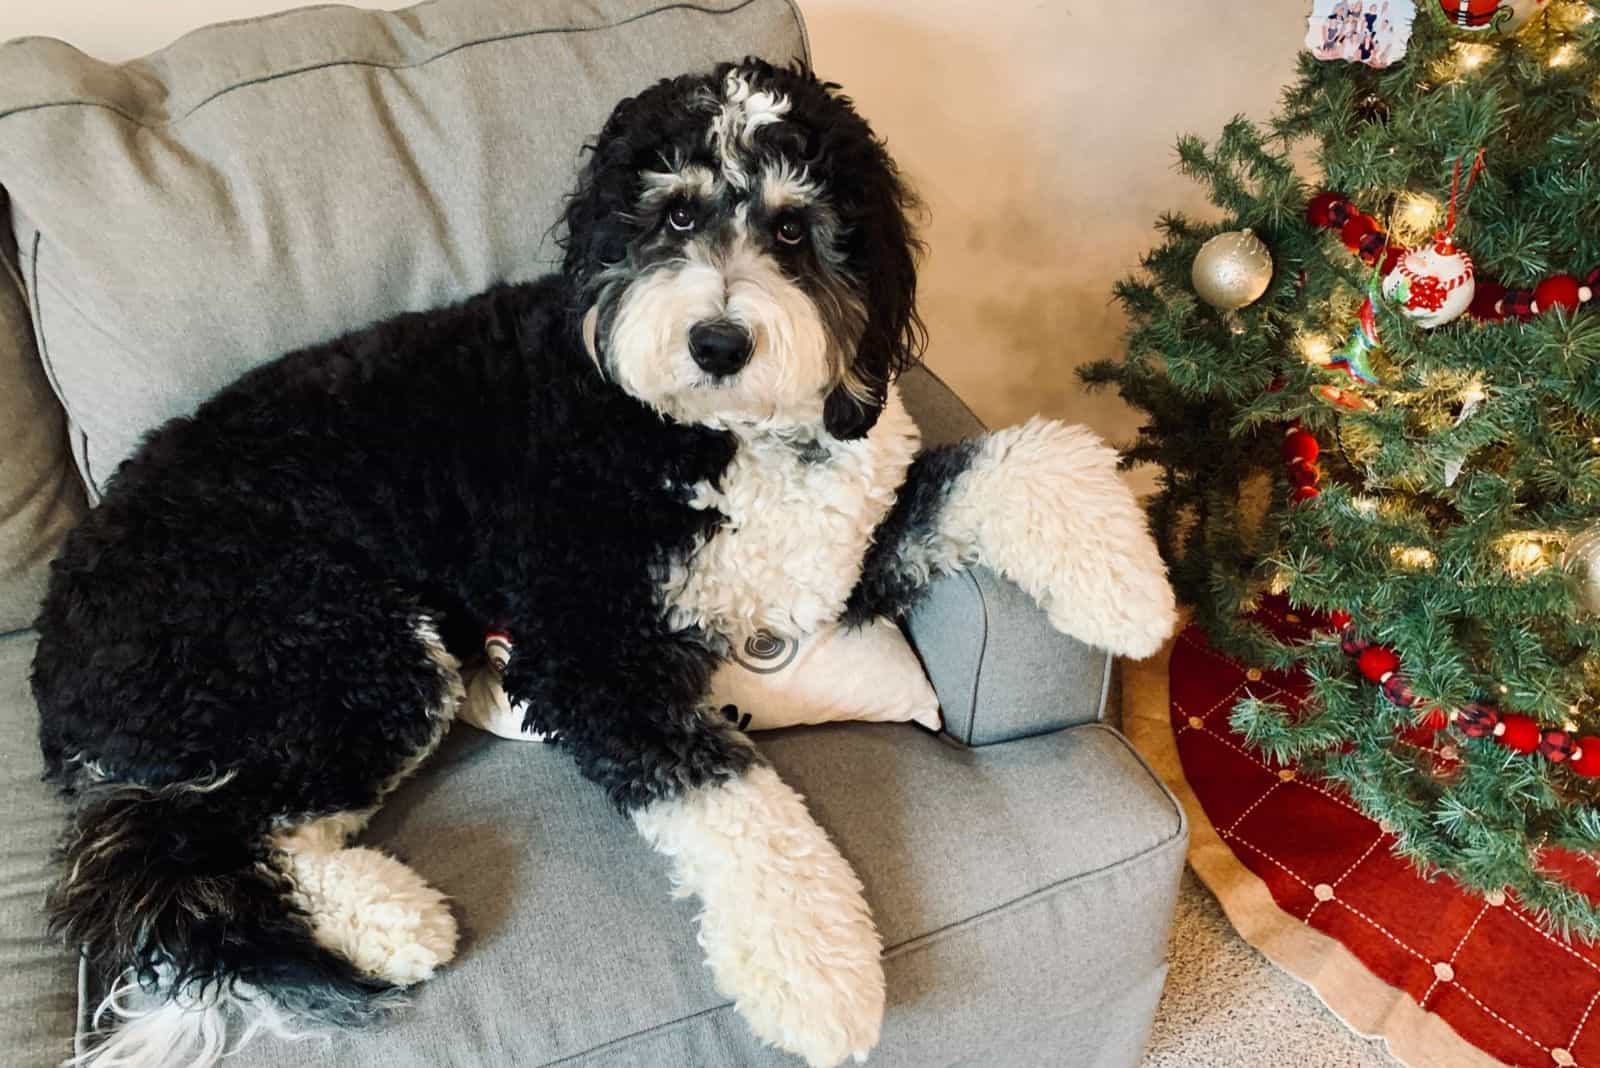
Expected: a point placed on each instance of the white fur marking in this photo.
(797, 531)
(374, 911)
(188, 1031)
(791, 366)
(786, 931)
(693, 181)
(1043, 505)
(742, 112)
(784, 187)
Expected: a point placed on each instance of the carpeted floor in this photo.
(1225, 1004)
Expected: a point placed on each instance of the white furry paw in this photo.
(1043, 504)
(786, 930)
(373, 910)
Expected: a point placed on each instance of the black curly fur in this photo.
(892, 579)
(230, 641)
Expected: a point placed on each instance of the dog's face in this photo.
(741, 254)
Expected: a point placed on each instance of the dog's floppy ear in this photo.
(884, 252)
(594, 224)
(592, 235)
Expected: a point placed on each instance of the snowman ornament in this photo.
(1433, 284)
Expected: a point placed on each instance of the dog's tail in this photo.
(188, 905)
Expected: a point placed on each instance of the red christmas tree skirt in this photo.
(1444, 977)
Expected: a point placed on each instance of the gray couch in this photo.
(171, 222)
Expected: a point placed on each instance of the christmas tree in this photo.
(1374, 388)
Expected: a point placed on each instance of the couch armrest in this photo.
(1000, 669)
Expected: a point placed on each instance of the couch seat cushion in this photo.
(1011, 884)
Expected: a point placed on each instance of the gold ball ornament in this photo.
(1582, 562)
(1232, 270)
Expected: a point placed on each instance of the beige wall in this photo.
(1039, 132)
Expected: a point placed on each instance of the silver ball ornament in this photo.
(1232, 270)
(1582, 562)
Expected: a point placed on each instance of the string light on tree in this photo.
(1415, 218)
(1469, 57)
(1525, 553)
(1316, 349)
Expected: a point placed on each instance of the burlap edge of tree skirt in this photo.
(1362, 1001)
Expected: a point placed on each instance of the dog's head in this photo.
(741, 253)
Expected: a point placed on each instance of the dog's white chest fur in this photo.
(798, 525)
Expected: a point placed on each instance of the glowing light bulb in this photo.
(1415, 218)
(1525, 553)
(1316, 348)
(1469, 57)
(1414, 557)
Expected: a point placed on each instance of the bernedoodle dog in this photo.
(690, 433)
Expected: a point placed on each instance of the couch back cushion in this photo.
(263, 185)
(40, 497)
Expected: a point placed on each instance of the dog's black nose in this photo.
(720, 348)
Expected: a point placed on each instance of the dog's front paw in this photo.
(785, 929)
(1048, 510)
(803, 968)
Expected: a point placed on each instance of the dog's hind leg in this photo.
(364, 904)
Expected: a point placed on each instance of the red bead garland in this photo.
(1558, 291)
(1515, 731)
(1585, 759)
(1491, 302)
(1518, 733)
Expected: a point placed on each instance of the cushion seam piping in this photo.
(983, 653)
(36, 305)
(374, 64)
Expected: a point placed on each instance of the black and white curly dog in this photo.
(690, 433)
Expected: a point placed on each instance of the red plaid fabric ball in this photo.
(1557, 745)
(1477, 721)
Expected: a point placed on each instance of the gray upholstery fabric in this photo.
(940, 414)
(1001, 671)
(263, 185)
(38, 979)
(40, 498)
(1014, 886)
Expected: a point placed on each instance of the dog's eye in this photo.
(680, 217)
(790, 231)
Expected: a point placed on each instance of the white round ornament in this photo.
(1432, 284)
(1232, 270)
